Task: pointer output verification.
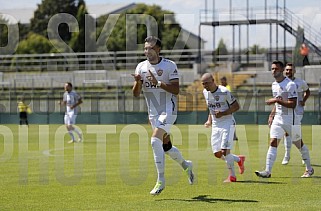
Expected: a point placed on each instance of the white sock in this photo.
(176, 155)
(287, 146)
(78, 132)
(306, 157)
(270, 158)
(158, 151)
(230, 164)
(236, 158)
(71, 135)
(223, 157)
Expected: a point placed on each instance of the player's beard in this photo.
(277, 75)
(289, 75)
(153, 59)
(149, 58)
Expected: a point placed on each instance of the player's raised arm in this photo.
(137, 88)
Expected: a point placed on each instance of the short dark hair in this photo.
(290, 64)
(154, 39)
(223, 78)
(69, 84)
(277, 62)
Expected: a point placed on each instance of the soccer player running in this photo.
(222, 104)
(283, 120)
(71, 100)
(158, 78)
(303, 95)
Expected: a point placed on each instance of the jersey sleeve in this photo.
(205, 93)
(230, 98)
(138, 69)
(305, 86)
(292, 91)
(173, 74)
(272, 88)
(78, 97)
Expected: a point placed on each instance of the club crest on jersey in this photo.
(160, 72)
(217, 98)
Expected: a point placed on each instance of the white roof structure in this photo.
(103, 9)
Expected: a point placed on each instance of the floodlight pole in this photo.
(284, 32)
(277, 30)
(214, 37)
(247, 33)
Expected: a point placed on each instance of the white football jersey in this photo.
(301, 87)
(71, 98)
(284, 90)
(158, 100)
(219, 100)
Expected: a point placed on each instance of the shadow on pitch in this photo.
(206, 198)
(261, 182)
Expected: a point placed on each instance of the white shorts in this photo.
(222, 136)
(70, 119)
(277, 131)
(164, 122)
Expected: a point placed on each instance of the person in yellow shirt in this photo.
(224, 83)
(24, 109)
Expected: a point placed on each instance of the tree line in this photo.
(66, 26)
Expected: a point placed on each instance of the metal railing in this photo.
(311, 35)
(184, 58)
(87, 61)
(283, 16)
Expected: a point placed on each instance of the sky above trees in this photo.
(187, 14)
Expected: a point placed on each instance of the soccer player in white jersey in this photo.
(71, 100)
(303, 95)
(158, 78)
(282, 120)
(222, 104)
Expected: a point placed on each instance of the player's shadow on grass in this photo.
(261, 182)
(206, 198)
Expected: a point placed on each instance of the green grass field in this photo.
(113, 169)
